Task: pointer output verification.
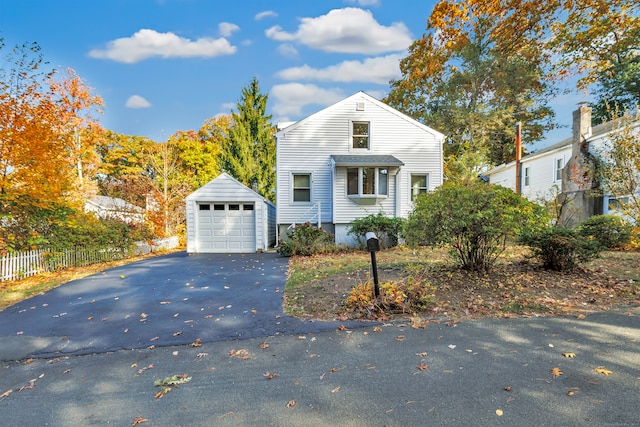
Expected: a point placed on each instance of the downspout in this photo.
(518, 155)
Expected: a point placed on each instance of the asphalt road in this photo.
(263, 368)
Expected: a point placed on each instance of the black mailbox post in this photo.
(373, 246)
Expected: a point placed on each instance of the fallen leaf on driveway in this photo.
(6, 393)
(423, 367)
(335, 390)
(264, 345)
(556, 372)
(268, 375)
(499, 412)
(602, 370)
(197, 343)
(139, 420)
(400, 338)
(291, 404)
(570, 355)
(242, 354)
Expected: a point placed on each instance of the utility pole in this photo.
(518, 155)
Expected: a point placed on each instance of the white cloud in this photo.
(365, 2)
(149, 43)
(288, 50)
(348, 30)
(136, 101)
(291, 98)
(227, 29)
(228, 106)
(265, 14)
(378, 70)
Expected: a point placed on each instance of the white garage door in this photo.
(226, 227)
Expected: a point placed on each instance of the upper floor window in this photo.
(360, 135)
(559, 164)
(527, 175)
(419, 185)
(367, 181)
(302, 187)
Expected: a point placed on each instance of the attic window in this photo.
(360, 135)
(359, 106)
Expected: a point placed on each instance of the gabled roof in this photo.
(369, 98)
(598, 131)
(224, 179)
(366, 160)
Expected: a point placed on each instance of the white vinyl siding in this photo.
(309, 144)
(540, 183)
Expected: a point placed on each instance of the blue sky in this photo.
(168, 65)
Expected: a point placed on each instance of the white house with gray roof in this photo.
(352, 159)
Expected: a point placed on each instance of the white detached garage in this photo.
(226, 216)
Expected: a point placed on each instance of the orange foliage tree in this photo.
(37, 182)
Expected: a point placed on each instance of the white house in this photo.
(564, 170)
(226, 216)
(114, 208)
(541, 172)
(352, 159)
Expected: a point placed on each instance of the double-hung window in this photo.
(367, 181)
(360, 135)
(302, 187)
(419, 185)
(559, 164)
(527, 175)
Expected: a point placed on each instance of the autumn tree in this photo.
(477, 71)
(79, 129)
(249, 154)
(599, 41)
(124, 170)
(619, 166)
(39, 184)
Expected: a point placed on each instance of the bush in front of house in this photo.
(387, 229)
(474, 219)
(610, 231)
(306, 239)
(560, 248)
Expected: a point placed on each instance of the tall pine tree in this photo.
(249, 154)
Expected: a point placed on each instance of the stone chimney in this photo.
(581, 130)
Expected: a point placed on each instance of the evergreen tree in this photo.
(249, 154)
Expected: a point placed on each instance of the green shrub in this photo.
(387, 229)
(474, 219)
(306, 239)
(560, 248)
(610, 231)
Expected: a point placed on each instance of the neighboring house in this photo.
(352, 159)
(114, 208)
(226, 216)
(540, 172)
(564, 171)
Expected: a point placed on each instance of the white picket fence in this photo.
(19, 265)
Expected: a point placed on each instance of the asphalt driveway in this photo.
(169, 300)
